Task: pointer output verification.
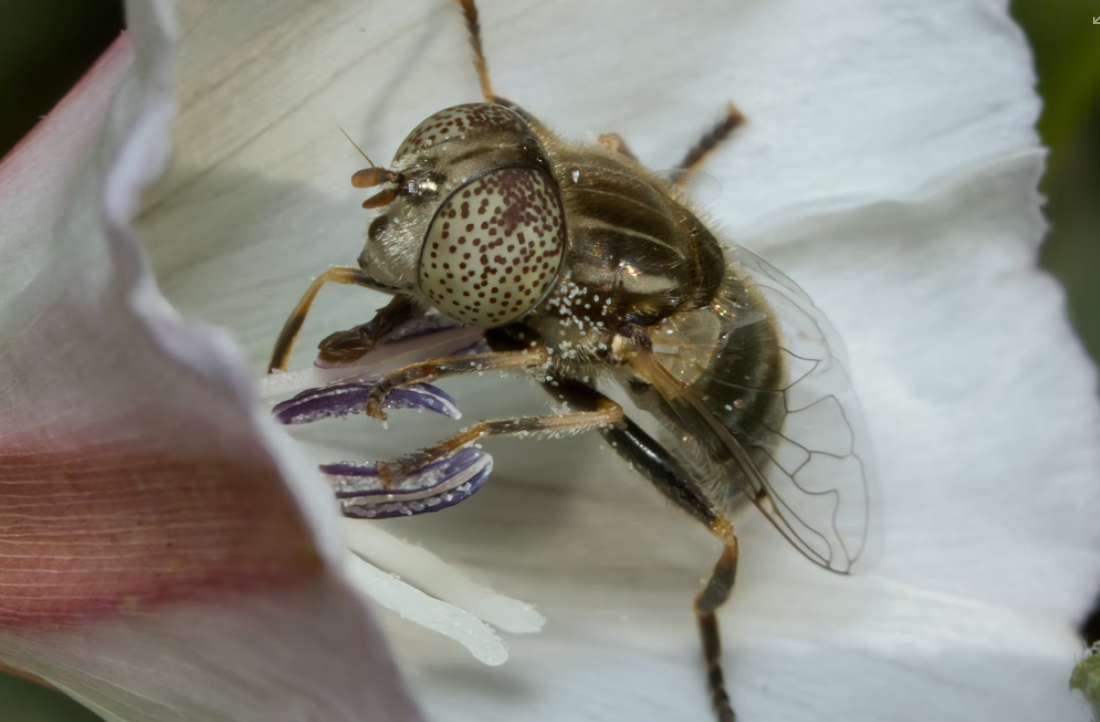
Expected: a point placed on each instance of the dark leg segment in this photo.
(347, 346)
(706, 145)
(662, 470)
(714, 595)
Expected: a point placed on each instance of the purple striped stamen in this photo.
(339, 400)
(436, 486)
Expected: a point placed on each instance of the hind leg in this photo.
(713, 596)
(662, 470)
(713, 138)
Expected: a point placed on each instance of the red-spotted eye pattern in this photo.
(494, 247)
(457, 123)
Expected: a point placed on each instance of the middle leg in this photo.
(605, 413)
(427, 371)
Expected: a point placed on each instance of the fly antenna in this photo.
(356, 145)
(372, 176)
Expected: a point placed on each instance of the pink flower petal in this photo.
(161, 557)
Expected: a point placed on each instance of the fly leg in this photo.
(427, 371)
(469, 11)
(714, 595)
(658, 466)
(605, 413)
(698, 154)
(346, 346)
(708, 143)
(678, 485)
(285, 342)
(596, 412)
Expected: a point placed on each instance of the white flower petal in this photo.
(888, 165)
(164, 553)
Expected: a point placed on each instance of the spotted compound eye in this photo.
(494, 247)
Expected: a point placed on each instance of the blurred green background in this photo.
(45, 46)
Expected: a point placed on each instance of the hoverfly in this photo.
(582, 268)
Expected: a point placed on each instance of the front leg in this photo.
(285, 343)
(426, 371)
(347, 346)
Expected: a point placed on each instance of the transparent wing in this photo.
(794, 441)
